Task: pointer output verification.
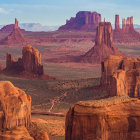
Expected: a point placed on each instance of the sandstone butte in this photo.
(126, 34)
(115, 118)
(29, 63)
(15, 37)
(104, 45)
(121, 76)
(15, 114)
(84, 20)
(9, 28)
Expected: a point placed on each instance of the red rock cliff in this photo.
(120, 76)
(84, 20)
(103, 45)
(15, 112)
(15, 37)
(117, 22)
(126, 34)
(15, 106)
(30, 62)
(109, 119)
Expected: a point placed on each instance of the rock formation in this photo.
(127, 34)
(15, 37)
(19, 133)
(84, 20)
(117, 22)
(30, 62)
(103, 45)
(15, 115)
(114, 118)
(120, 76)
(15, 112)
(15, 106)
(36, 133)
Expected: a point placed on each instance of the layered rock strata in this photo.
(15, 106)
(15, 37)
(121, 76)
(84, 20)
(126, 34)
(30, 62)
(104, 45)
(114, 118)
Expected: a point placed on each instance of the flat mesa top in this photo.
(107, 102)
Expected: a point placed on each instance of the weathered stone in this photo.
(16, 24)
(13, 66)
(15, 37)
(117, 22)
(123, 24)
(114, 118)
(15, 106)
(103, 45)
(120, 76)
(36, 133)
(19, 133)
(30, 62)
(84, 20)
(127, 34)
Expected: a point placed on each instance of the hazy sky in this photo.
(55, 12)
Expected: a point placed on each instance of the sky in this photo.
(56, 12)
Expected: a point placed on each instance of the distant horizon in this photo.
(55, 13)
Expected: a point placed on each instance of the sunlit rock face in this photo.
(104, 45)
(15, 106)
(121, 76)
(30, 62)
(114, 118)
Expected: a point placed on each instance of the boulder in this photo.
(115, 118)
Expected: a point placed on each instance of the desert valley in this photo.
(80, 82)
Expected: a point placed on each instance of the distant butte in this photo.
(16, 37)
(9, 28)
(84, 20)
(29, 65)
(126, 34)
(104, 45)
